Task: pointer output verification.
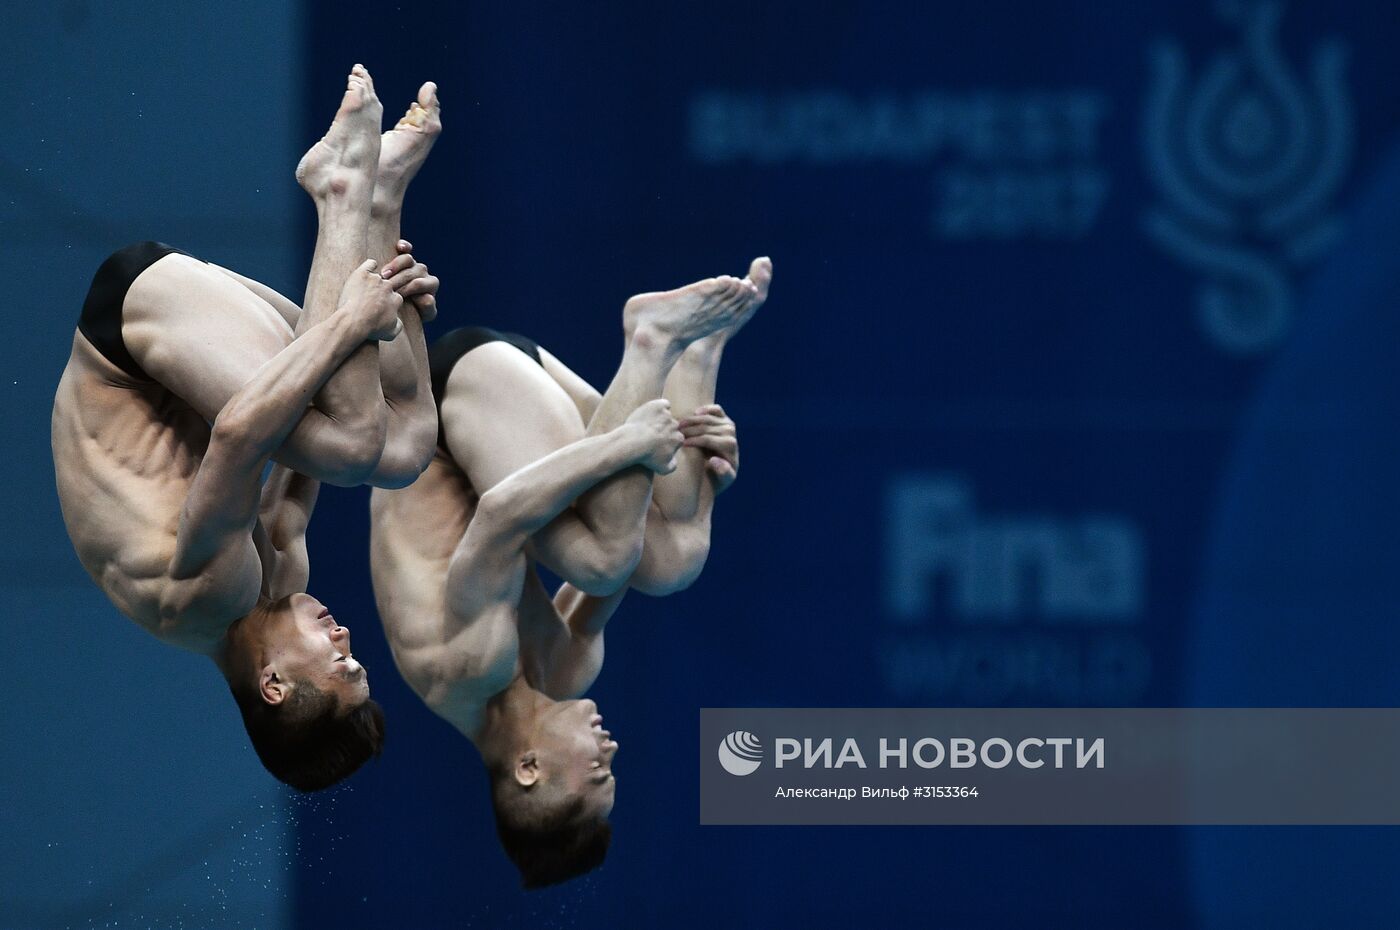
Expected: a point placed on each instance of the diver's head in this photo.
(304, 699)
(553, 793)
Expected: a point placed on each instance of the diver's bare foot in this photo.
(706, 352)
(759, 278)
(404, 148)
(345, 158)
(680, 317)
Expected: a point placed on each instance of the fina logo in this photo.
(741, 753)
(1247, 163)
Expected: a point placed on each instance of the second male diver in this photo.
(535, 467)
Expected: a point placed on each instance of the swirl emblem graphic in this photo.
(741, 753)
(1247, 163)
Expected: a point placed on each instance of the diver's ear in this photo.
(527, 769)
(273, 689)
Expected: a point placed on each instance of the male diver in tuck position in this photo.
(533, 466)
(170, 515)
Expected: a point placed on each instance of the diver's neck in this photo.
(509, 720)
(221, 658)
(241, 645)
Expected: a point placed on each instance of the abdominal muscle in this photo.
(413, 533)
(125, 454)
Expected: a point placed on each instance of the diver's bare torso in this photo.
(125, 455)
(413, 535)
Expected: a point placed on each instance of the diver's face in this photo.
(575, 754)
(304, 643)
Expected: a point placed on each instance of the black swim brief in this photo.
(101, 320)
(445, 352)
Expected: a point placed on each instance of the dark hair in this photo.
(549, 846)
(305, 742)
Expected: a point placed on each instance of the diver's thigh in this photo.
(199, 332)
(502, 412)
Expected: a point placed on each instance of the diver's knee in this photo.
(675, 572)
(408, 452)
(398, 468)
(605, 567)
(352, 456)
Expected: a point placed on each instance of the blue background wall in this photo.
(1074, 389)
